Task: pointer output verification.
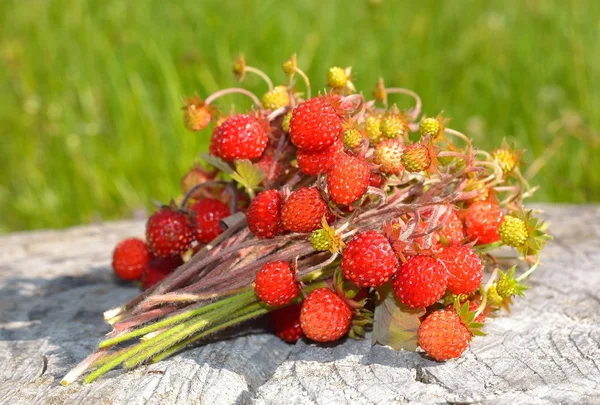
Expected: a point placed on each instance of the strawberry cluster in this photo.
(326, 211)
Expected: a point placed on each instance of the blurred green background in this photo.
(90, 118)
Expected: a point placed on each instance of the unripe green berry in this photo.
(337, 77)
(352, 138)
(513, 231)
(416, 158)
(320, 240)
(372, 127)
(429, 127)
(393, 127)
(276, 98)
(285, 124)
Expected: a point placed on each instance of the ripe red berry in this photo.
(420, 282)
(369, 260)
(242, 136)
(325, 317)
(464, 267)
(348, 180)
(443, 335)
(315, 124)
(376, 180)
(159, 268)
(303, 210)
(209, 213)
(264, 214)
(275, 284)
(169, 232)
(313, 163)
(453, 230)
(286, 323)
(483, 221)
(129, 258)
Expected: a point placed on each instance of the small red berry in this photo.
(464, 269)
(315, 124)
(209, 213)
(483, 221)
(313, 163)
(303, 210)
(169, 232)
(264, 214)
(348, 180)
(369, 260)
(420, 282)
(443, 335)
(275, 283)
(286, 323)
(242, 136)
(325, 317)
(129, 258)
(453, 230)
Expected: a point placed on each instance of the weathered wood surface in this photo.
(54, 287)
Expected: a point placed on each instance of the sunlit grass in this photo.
(90, 119)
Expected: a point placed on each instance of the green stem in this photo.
(174, 319)
(531, 270)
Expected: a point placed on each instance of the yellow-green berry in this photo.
(416, 158)
(506, 159)
(276, 98)
(352, 138)
(392, 127)
(372, 127)
(513, 231)
(337, 77)
(493, 297)
(285, 123)
(430, 127)
(320, 240)
(388, 155)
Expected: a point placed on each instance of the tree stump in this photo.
(54, 286)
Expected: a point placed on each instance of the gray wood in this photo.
(54, 286)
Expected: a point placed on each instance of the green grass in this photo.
(90, 119)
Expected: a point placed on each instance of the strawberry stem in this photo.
(234, 90)
(259, 73)
(531, 269)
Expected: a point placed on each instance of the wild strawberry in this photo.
(286, 323)
(196, 114)
(276, 98)
(508, 286)
(376, 180)
(420, 282)
(369, 260)
(388, 155)
(194, 177)
(303, 210)
(264, 214)
(483, 221)
(352, 138)
(325, 239)
(313, 163)
(372, 127)
(453, 230)
(348, 180)
(275, 284)
(169, 232)
(271, 168)
(315, 124)
(473, 307)
(159, 268)
(416, 158)
(443, 335)
(430, 127)
(513, 231)
(464, 268)
(393, 126)
(242, 136)
(325, 316)
(213, 147)
(208, 215)
(337, 77)
(129, 259)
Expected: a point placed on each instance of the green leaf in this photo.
(217, 162)
(395, 324)
(247, 174)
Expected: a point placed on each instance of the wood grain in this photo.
(54, 286)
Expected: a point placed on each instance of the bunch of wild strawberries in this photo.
(326, 211)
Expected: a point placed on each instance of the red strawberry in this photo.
(348, 180)
(209, 213)
(483, 221)
(453, 230)
(376, 180)
(325, 317)
(464, 268)
(275, 284)
(213, 148)
(315, 124)
(313, 163)
(286, 322)
(129, 258)
(443, 335)
(169, 232)
(303, 210)
(242, 136)
(159, 268)
(420, 282)
(369, 259)
(264, 214)
(196, 176)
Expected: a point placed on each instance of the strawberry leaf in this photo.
(395, 324)
(217, 162)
